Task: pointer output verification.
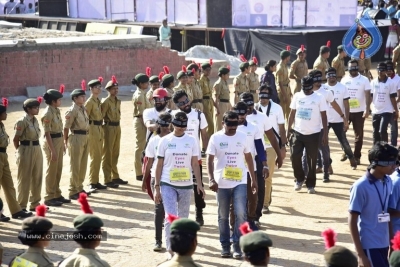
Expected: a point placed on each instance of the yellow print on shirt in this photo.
(233, 174)
(179, 175)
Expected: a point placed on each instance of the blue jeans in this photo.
(380, 124)
(394, 131)
(238, 195)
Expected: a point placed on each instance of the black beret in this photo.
(31, 102)
(205, 66)
(140, 78)
(244, 65)
(154, 79)
(193, 66)
(167, 79)
(394, 259)
(284, 54)
(185, 225)
(254, 240)
(340, 48)
(36, 223)
(181, 74)
(2, 109)
(87, 221)
(77, 92)
(94, 82)
(324, 49)
(53, 94)
(223, 70)
(340, 257)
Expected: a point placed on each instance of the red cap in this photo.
(160, 93)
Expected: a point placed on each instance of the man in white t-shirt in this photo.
(308, 112)
(341, 96)
(196, 125)
(384, 93)
(359, 90)
(254, 140)
(276, 118)
(21, 7)
(10, 7)
(394, 126)
(227, 153)
(150, 115)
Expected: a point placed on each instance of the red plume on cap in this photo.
(302, 48)
(228, 67)
(83, 85)
(396, 241)
(100, 79)
(329, 236)
(184, 69)
(62, 88)
(245, 228)
(84, 203)
(114, 79)
(211, 61)
(40, 99)
(160, 75)
(41, 210)
(242, 58)
(148, 71)
(4, 101)
(166, 70)
(171, 218)
(255, 60)
(328, 44)
(288, 48)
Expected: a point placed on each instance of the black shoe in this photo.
(63, 200)
(98, 186)
(158, 246)
(139, 178)
(199, 219)
(326, 177)
(253, 226)
(74, 196)
(112, 185)
(53, 203)
(358, 161)
(34, 209)
(92, 189)
(120, 181)
(226, 252)
(87, 193)
(344, 157)
(22, 214)
(4, 218)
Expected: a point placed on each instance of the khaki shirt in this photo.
(196, 90)
(185, 88)
(149, 96)
(221, 90)
(83, 257)
(205, 86)
(338, 64)
(241, 83)
(298, 69)
(27, 129)
(4, 138)
(180, 261)
(37, 256)
(51, 120)
(76, 118)
(396, 58)
(111, 108)
(322, 65)
(282, 75)
(254, 81)
(171, 105)
(140, 102)
(93, 109)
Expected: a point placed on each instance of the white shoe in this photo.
(297, 186)
(169, 255)
(311, 190)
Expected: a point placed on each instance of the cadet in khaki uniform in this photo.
(183, 243)
(396, 59)
(241, 82)
(35, 226)
(182, 77)
(255, 246)
(299, 68)
(6, 180)
(321, 63)
(87, 226)
(338, 63)
(168, 82)
(283, 82)
(77, 120)
(197, 102)
(155, 84)
(29, 157)
(111, 110)
(254, 80)
(364, 67)
(221, 96)
(140, 103)
(96, 135)
(53, 147)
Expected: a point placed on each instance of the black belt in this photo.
(224, 100)
(56, 135)
(112, 123)
(3, 149)
(82, 132)
(206, 97)
(197, 101)
(253, 91)
(96, 122)
(27, 143)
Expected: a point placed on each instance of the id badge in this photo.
(383, 217)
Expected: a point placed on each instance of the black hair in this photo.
(270, 64)
(178, 94)
(382, 151)
(307, 81)
(353, 61)
(30, 5)
(257, 257)
(165, 85)
(181, 242)
(48, 99)
(240, 106)
(381, 5)
(331, 69)
(382, 64)
(370, 5)
(246, 95)
(181, 116)
(264, 87)
(388, 62)
(165, 116)
(230, 115)
(84, 237)
(34, 236)
(314, 73)
(242, 69)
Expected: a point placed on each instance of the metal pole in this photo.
(305, 12)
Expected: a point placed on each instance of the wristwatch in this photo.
(266, 167)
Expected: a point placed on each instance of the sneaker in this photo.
(330, 170)
(311, 190)
(357, 161)
(170, 254)
(326, 177)
(237, 252)
(253, 226)
(63, 200)
(4, 218)
(344, 157)
(120, 181)
(112, 185)
(318, 170)
(92, 189)
(265, 210)
(158, 246)
(297, 186)
(226, 252)
(257, 223)
(353, 164)
(53, 203)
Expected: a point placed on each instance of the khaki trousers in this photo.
(54, 168)
(111, 146)
(8, 185)
(223, 107)
(29, 178)
(298, 87)
(285, 104)
(95, 152)
(140, 141)
(271, 155)
(78, 150)
(209, 114)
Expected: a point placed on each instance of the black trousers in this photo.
(198, 199)
(261, 188)
(159, 215)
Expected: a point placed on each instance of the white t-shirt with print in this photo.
(177, 153)
(308, 112)
(229, 162)
(340, 94)
(151, 152)
(151, 114)
(275, 118)
(252, 133)
(357, 87)
(381, 92)
(328, 95)
(262, 121)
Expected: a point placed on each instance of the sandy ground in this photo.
(294, 224)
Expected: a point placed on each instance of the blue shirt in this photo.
(397, 15)
(367, 202)
(391, 11)
(164, 33)
(394, 199)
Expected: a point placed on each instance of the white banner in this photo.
(186, 12)
(91, 9)
(294, 13)
(331, 13)
(121, 9)
(203, 12)
(256, 13)
(171, 10)
(150, 10)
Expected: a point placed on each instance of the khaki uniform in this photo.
(197, 102)
(322, 65)
(282, 77)
(77, 120)
(52, 123)
(6, 180)
(140, 103)
(149, 96)
(396, 58)
(37, 256)
(180, 261)
(111, 110)
(364, 66)
(171, 105)
(185, 88)
(298, 69)
(338, 64)
(83, 257)
(96, 137)
(29, 161)
(207, 103)
(221, 97)
(241, 85)
(254, 84)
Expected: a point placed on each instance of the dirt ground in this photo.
(294, 224)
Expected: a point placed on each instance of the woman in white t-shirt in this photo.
(177, 155)
(163, 123)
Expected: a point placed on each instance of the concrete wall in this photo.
(51, 62)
